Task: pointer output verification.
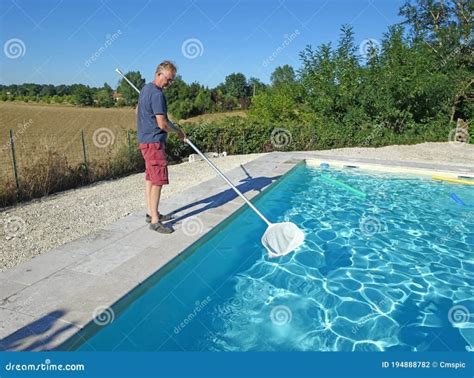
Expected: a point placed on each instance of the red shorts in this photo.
(156, 166)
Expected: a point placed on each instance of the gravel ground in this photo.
(41, 225)
(33, 228)
(442, 153)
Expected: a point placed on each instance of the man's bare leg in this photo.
(148, 195)
(155, 193)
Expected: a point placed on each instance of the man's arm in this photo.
(168, 126)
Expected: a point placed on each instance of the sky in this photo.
(83, 41)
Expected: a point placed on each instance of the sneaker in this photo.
(161, 228)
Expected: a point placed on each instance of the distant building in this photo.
(117, 96)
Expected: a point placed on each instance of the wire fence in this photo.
(19, 152)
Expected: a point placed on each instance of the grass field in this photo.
(38, 129)
(214, 117)
(49, 148)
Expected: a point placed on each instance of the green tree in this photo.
(318, 75)
(83, 95)
(203, 101)
(446, 27)
(235, 85)
(283, 75)
(129, 94)
(48, 90)
(256, 86)
(104, 96)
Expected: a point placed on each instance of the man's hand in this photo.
(181, 135)
(177, 130)
(165, 124)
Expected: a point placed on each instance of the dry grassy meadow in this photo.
(40, 128)
(214, 117)
(49, 149)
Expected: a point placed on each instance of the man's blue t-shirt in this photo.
(150, 103)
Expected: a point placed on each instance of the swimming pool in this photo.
(390, 270)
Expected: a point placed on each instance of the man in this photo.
(153, 127)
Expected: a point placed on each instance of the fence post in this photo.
(129, 145)
(15, 170)
(84, 149)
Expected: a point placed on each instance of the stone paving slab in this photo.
(395, 163)
(39, 335)
(8, 287)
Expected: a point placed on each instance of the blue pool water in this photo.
(391, 271)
